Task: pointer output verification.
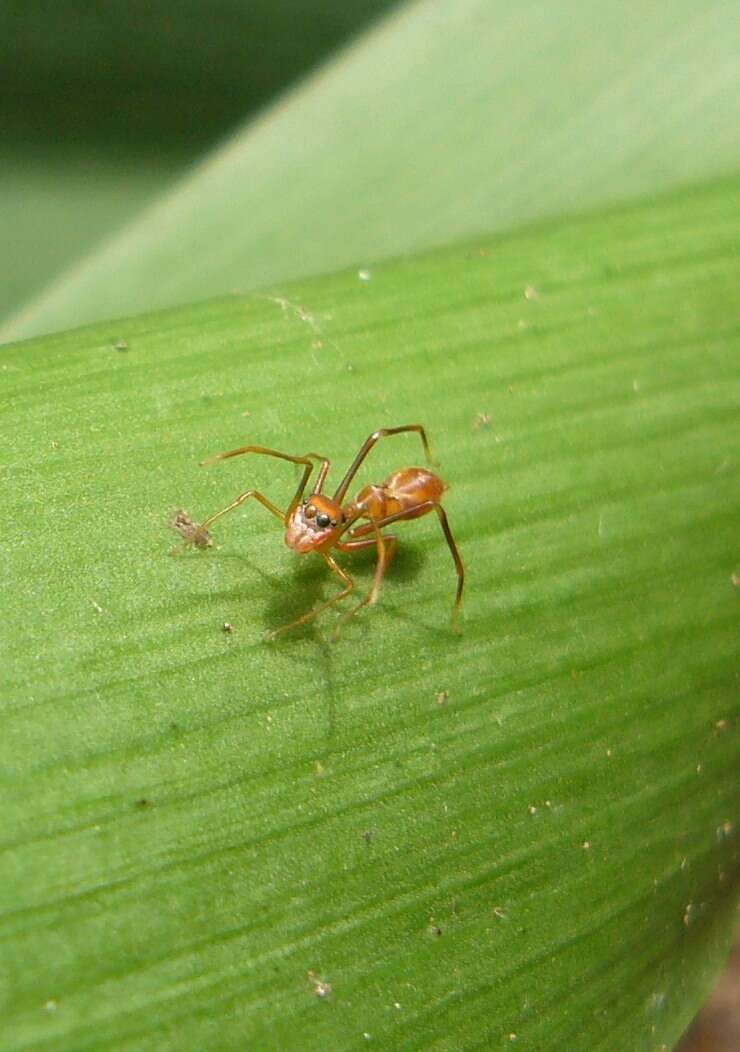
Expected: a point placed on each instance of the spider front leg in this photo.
(308, 461)
(349, 585)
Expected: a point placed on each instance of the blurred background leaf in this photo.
(445, 121)
(103, 105)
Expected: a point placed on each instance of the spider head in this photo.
(313, 523)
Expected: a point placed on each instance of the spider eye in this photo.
(310, 511)
(322, 520)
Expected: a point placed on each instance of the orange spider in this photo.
(319, 523)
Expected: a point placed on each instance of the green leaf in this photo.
(446, 121)
(522, 837)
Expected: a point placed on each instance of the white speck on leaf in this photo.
(321, 987)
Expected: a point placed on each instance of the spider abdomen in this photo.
(408, 490)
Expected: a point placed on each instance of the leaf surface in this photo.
(525, 836)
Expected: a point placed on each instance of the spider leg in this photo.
(308, 461)
(387, 545)
(460, 569)
(349, 585)
(428, 505)
(264, 501)
(368, 444)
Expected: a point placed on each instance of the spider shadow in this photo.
(239, 592)
(309, 582)
(286, 597)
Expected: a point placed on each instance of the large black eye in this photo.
(322, 520)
